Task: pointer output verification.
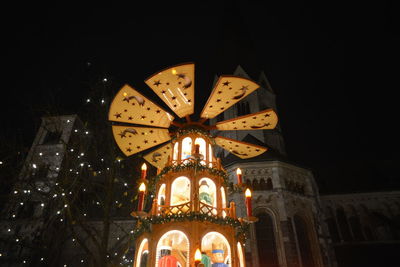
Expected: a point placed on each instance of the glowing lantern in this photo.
(248, 202)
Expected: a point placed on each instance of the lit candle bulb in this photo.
(144, 169)
(239, 176)
(142, 190)
(197, 257)
(248, 202)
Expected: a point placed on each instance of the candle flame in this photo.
(248, 193)
(197, 255)
(142, 187)
(144, 167)
(238, 171)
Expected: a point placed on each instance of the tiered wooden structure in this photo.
(189, 210)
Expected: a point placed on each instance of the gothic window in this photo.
(343, 225)
(332, 226)
(173, 250)
(269, 184)
(220, 117)
(243, 108)
(303, 241)
(255, 185)
(248, 184)
(266, 242)
(180, 191)
(354, 222)
(217, 251)
(52, 138)
(262, 185)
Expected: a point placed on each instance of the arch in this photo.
(240, 254)
(186, 148)
(355, 225)
(343, 224)
(143, 251)
(180, 191)
(215, 245)
(332, 226)
(262, 184)
(303, 240)
(255, 185)
(269, 185)
(161, 195)
(208, 191)
(173, 247)
(266, 240)
(202, 148)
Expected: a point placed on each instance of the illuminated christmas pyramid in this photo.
(190, 221)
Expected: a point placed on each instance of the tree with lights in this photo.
(75, 212)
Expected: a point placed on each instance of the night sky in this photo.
(332, 67)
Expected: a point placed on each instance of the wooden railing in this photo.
(201, 207)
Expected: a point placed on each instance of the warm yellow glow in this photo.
(142, 187)
(173, 71)
(197, 255)
(238, 171)
(125, 94)
(144, 167)
(248, 193)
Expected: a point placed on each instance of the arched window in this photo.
(208, 194)
(186, 148)
(269, 184)
(173, 249)
(355, 224)
(332, 226)
(304, 242)
(143, 252)
(180, 191)
(202, 143)
(255, 185)
(223, 199)
(216, 248)
(343, 225)
(266, 241)
(161, 195)
(176, 151)
(240, 254)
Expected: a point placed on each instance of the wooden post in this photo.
(154, 207)
(233, 210)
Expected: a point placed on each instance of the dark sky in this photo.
(333, 68)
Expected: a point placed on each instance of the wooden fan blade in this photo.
(175, 86)
(132, 140)
(238, 148)
(132, 107)
(266, 119)
(227, 91)
(159, 157)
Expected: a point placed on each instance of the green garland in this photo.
(144, 223)
(183, 167)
